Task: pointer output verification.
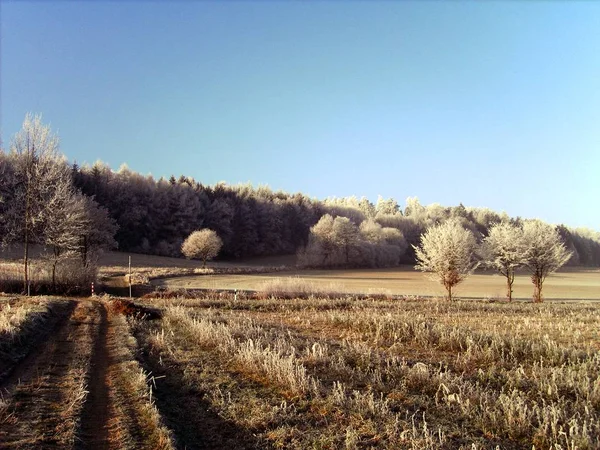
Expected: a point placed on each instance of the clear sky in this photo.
(492, 104)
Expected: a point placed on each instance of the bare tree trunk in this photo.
(537, 289)
(54, 275)
(84, 251)
(54, 264)
(510, 279)
(26, 261)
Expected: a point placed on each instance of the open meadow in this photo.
(566, 284)
(215, 370)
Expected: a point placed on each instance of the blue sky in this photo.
(492, 104)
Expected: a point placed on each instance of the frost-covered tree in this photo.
(63, 226)
(387, 245)
(371, 231)
(338, 241)
(322, 240)
(413, 207)
(366, 207)
(97, 233)
(504, 251)
(448, 252)
(345, 235)
(7, 187)
(387, 206)
(40, 176)
(204, 244)
(544, 253)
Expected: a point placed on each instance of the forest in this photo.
(88, 206)
(155, 216)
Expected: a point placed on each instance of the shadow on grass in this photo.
(187, 415)
(17, 349)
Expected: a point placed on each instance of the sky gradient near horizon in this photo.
(493, 104)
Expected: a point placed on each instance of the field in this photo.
(319, 373)
(567, 284)
(220, 371)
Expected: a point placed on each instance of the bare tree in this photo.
(448, 252)
(40, 175)
(204, 244)
(504, 251)
(544, 253)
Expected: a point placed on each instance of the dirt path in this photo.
(79, 386)
(32, 344)
(44, 394)
(94, 430)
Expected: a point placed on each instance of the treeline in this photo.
(155, 216)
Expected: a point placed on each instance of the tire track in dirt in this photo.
(44, 394)
(12, 372)
(81, 389)
(94, 430)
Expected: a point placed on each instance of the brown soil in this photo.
(67, 391)
(33, 342)
(43, 390)
(96, 410)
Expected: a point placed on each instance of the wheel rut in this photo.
(96, 413)
(42, 403)
(39, 345)
(81, 388)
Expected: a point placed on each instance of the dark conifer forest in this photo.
(155, 216)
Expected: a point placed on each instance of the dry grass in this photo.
(70, 277)
(22, 325)
(143, 275)
(12, 318)
(568, 284)
(136, 422)
(297, 287)
(44, 408)
(411, 374)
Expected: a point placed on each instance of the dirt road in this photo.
(78, 385)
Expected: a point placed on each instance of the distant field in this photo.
(567, 284)
(121, 260)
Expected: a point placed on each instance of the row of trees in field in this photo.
(39, 204)
(451, 253)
